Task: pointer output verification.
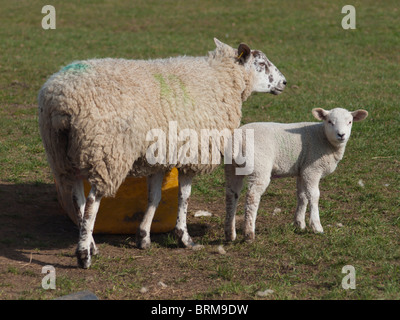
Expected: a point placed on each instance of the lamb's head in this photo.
(266, 77)
(338, 123)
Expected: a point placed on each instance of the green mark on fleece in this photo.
(166, 90)
(164, 87)
(78, 66)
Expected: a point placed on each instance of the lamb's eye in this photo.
(330, 122)
(262, 64)
(350, 122)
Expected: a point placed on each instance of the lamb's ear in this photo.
(320, 113)
(243, 53)
(359, 115)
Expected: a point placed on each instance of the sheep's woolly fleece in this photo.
(94, 115)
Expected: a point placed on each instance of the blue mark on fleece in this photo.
(76, 66)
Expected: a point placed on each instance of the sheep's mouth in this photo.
(276, 91)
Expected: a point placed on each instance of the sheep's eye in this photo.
(350, 122)
(330, 122)
(262, 64)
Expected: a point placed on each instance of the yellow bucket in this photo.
(123, 213)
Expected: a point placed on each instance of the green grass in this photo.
(325, 66)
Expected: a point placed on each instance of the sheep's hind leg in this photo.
(233, 187)
(185, 187)
(154, 183)
(83, 251)
(79, 201)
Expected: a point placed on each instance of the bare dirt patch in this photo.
(34, 232)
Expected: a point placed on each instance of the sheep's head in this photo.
(338, 123)
(266, 77)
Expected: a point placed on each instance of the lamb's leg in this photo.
(312, 191)
(154, 184)
(83, 251)
(302, 201)
(185, 187)
(257, 186)
(79, 201)
(233, 187)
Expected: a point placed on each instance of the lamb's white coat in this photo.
(307, 150)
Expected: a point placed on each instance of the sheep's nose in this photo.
(284, 82)
(341, 135)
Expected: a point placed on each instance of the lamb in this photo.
(95, 117)
(308, 151)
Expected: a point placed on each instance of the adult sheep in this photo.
(306, 150)
(95, 116)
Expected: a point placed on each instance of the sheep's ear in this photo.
(359, 115)
(320, 113)
(218, 43)
(243, 53)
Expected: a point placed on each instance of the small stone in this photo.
(265, 293)
(361, 183)
(202, 213)
(143, 290)
(162, 284)
(340, 225)
(276, 211)
(221, 250)
(197, 247)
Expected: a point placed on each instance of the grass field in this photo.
(325, 65)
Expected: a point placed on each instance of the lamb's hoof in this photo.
(301, 225)
(249, 237)
(229, 237)
(142, 240)
(84, 258)
(317, 228)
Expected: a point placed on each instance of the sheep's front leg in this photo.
(185, 187)
(154, 184)
(302, 201)
(84, 250)
(312, 191)
(233, 187)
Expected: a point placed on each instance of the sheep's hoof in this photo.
(84, 258)
(143, 244)
(142, 241)
(93, 249)
(184, 239)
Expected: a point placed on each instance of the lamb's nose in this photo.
(284, 82)
(341, 135)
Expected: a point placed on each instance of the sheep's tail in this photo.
(55, 127)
